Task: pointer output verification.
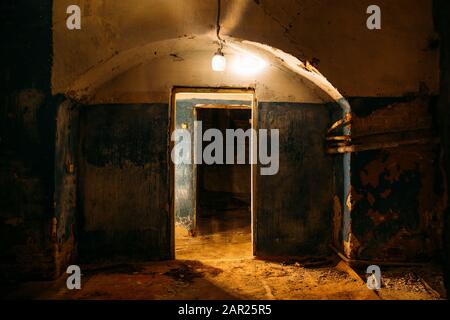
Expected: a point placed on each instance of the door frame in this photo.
(254, 125)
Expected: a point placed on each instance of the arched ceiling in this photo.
(119, 36)
(148, 73)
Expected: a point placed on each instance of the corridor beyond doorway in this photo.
(223, 197)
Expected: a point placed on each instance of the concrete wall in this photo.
(124, 183)
(294, 207)
(397, 188)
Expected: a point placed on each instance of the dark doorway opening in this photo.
(224, 190)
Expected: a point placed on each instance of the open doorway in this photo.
(224, 190)
(213, 202)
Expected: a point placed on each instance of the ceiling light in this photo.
(219, 63)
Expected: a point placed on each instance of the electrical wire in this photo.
(220, 40)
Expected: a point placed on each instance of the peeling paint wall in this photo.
(64, 232)
(185, 184)
(398, 193)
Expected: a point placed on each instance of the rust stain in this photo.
(379, 218)
(376, 217)
(397, 165)
(356, 196)
(371, 174)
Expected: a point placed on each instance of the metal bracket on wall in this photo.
(381, 145)
(340, 140)
(351, 143)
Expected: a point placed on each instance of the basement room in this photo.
(269, 150)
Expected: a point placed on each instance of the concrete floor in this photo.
(225, 234)
(218, 264)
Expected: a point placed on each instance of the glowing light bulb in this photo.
(219, 63)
